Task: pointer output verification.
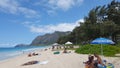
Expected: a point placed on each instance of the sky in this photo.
(23, 20)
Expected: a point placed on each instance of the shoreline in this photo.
(9, 55)
(62, 60)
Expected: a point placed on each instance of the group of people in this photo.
(91, 63)
(32, 54)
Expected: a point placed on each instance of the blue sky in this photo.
(22, 20)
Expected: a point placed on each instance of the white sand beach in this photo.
(46, 59)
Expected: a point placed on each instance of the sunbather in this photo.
(99, 63)
(90, 62)
(30, 63)
(34, 54)
(29, 55)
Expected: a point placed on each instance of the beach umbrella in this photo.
(102, 41)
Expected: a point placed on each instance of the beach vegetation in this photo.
(108, 50)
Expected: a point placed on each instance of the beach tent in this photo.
(55, 44)
(68, 42)
(102, 41)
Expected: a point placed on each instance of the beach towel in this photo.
(44, 62)
(57, 52)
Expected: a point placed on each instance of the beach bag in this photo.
(101, 66)
(110, 65)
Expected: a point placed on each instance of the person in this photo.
(99, 63)
(53, 47)
(65, 50)
(34, 54)
(90, 62)
(30, 63)
(29, 55)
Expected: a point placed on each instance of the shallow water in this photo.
(6, 53)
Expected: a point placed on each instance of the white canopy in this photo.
(55, 44)
(68, 42)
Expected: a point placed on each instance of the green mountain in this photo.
(48, 38)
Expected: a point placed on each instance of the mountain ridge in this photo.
(49, 38)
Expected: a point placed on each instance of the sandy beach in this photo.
(46, 59)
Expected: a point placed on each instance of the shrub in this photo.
(108, 50)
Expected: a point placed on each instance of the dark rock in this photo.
(21, 45)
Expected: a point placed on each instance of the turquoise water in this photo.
(6, 53)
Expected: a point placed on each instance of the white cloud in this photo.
(16, 7)
(80, 20)
(27, 12)
(51, 12)
(63, 4)
(13, 7)
(51, 28)
(51, 6)
(8, 5)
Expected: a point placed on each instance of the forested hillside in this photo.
(102, 21)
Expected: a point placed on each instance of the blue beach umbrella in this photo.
(102, 41)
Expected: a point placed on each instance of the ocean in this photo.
(6, 53)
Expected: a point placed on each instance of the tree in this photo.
(101, 21)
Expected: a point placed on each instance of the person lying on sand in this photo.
(34, 54)
(29, 55)
(30, 63)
